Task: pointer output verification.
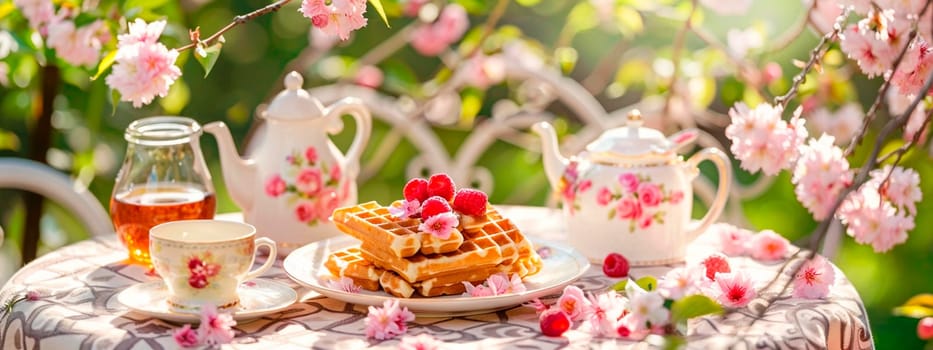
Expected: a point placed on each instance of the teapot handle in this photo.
(360, 113)
(722, 193)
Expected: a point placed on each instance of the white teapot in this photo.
(296, 176)
(629, 192)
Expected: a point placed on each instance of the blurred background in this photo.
(622, 52)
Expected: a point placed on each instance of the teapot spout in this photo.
(239, 173)
(554, 162)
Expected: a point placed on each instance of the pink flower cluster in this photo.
(882, 211)
(423, 341)
(338, 18)
(496, 284)
(876, 40)
(143, 68)
(199, 271)
(636, 200)
(315, 186)
(841, 124)
(820, 175)
(713, 277)
(814, 279)
(765, 246)
(215, 329)
(389, 321)
(345, 284)
(79, 46)
(761, 140)
(430, 39)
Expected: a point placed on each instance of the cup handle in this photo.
(360, 113)
(263, 241)
(722, 193)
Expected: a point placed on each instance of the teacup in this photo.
(203, 261)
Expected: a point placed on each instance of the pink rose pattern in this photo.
(200, 270)
(635, 199)
(569, 187)
(314, 191)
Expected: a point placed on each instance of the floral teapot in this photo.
(629, 192)
(296, 176)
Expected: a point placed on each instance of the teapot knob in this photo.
(293, 81)
(634, 118)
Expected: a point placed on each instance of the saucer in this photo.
(258, 297)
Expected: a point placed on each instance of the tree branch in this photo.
(238, 20)
(815, 56)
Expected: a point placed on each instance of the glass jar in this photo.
(163, 178)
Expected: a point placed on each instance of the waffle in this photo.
(401, 237)
(349, 263)
(395, 285)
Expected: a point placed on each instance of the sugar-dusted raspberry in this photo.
(433, 206)
(554, 322)
(470, 202)
(416, 188)
(716, 263)
(615, 265)
(442, 186)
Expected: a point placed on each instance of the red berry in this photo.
(623, 331)
(925, 328)
(716, 263)
(416, 189)
(433, 206)
(554, 322)
(442, 186)
(470, 202)
(615, 265)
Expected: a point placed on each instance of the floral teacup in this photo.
(203, 261)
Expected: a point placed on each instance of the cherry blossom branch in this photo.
(815, 56)
(900, 151)
(238, 20)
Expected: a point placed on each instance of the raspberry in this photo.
(716, 263)
(416, 189)
(442, 186)
(554, 322)
(470, 202)
(615, 265)
(925, 328)
(433, 206)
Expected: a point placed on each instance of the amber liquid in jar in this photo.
(135, 211)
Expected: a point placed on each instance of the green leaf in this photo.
(620, 286)
(694, 306)
(208, 56)
(105, 64)
(84, 19)
(470, 105)
(143, 4)
(179, 94)
(914, 311)
(528, 3)
(114, 100)
(377, 4)
(648, 283)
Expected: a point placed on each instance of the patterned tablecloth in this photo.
(79, 310)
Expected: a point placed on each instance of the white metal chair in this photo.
(28, 175)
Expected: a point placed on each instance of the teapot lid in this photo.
(631, 141)
(293, 103)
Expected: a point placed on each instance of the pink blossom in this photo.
(484, 71)
(309, 181)
(275, 185)
(389, 321)
(603, 312)
(820, 175)
(604, 196)
(645, 307)
(814, 279)
(898, 104)
(761, 140)
(824, 15)
(498, 283)
(734, 289)
(343, 284)
(305, 211)
(768, 246)
(412, 7)
(423, 341)
(185, 337)
(584, 186)
(649, 194)
(33, 295)
(873, 56)
(369, 76)
(734, 240)
(432, 39)
(629, 182)
(406, 210)
(440, 225)
(427, 41)
(339, 18)
(516, 285)
(843, 124)
(480, 290)
(215, 328)
(741, 41)
(728, 7)
(629, 208)
(872, 220)
(142, 32)
(77, 46)
(537, 305)
(902, 187)
(680, 282)
(37, 12)
(572, 302)
(914, 68)
(143, 71)
(311, 155)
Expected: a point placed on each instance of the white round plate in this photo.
(258, 297)
(564, 265)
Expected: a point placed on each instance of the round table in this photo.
(78, 309)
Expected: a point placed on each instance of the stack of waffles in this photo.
(395, 256)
